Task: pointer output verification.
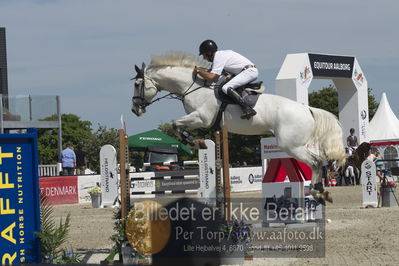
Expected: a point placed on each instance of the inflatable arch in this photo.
(298, 71)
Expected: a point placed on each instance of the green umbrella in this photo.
(155, 138)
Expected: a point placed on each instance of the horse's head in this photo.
(361, 153)
(144, 91)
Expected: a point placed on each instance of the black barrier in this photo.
(189, 242)
(284, 228)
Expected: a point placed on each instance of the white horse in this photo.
(310, 135)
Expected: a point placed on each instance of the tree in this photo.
(92, 145)
(79, 134)
(74, 131)
(327, 99)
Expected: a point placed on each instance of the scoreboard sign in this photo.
(19, 198)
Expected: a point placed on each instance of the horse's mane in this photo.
(176, 59)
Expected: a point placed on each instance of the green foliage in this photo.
(74, 131)
(244, 148)
(53, 237)
(119, 237)
(79, 134)
(93, 143)
(373, 105)
(327, 99)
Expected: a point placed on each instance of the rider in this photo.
(243, 69)
(351, 141)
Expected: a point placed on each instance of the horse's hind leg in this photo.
(304, 155)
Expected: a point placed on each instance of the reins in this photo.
(185, 93)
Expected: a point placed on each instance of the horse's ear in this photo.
(138, 70)
(140, 73)
(143, 67)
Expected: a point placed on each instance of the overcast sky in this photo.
(85, 51)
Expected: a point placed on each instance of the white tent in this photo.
(384, 133)
(385, 124)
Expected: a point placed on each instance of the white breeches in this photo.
(349, 172)
(244, 77)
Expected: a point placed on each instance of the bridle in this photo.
(140, 99)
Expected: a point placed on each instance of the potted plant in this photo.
(95, 194)
(237, 236)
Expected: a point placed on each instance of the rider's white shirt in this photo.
(229, 61)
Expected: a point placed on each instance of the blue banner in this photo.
(19, 198)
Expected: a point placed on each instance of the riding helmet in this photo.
(207, 46)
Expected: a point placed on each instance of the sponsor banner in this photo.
(207, 174)
(369, 184)
(246, 179)
(176, 184)
(109, 175)
(314, 210)
(19, 198)
(60, 190)
(271, 150)
(142, 186)
(85, 183)
(332, 66)
(282, 195)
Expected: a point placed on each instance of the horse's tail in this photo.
(327, 132)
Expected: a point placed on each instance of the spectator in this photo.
(81, 161)
(351, 142)
(68, 159)
(374, 157)
(379, 164)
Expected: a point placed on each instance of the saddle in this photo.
(249, 92)
(249, 96)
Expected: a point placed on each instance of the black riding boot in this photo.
(247, 111)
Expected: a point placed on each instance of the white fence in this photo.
(48, 170)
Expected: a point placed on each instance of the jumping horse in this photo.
(310, 135)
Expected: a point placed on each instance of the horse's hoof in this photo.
(315, 193)
(327, 196)
(319, 197)
(200, 143)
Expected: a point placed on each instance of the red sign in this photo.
(60, 190)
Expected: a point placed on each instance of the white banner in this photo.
(86, 182)
(369, 184)
(246, 179)
(207, 174)
(271, 150)
(109, 175)
(313, 209)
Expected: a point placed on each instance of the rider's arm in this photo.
(205, 74)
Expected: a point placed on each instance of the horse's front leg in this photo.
(192, 120)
